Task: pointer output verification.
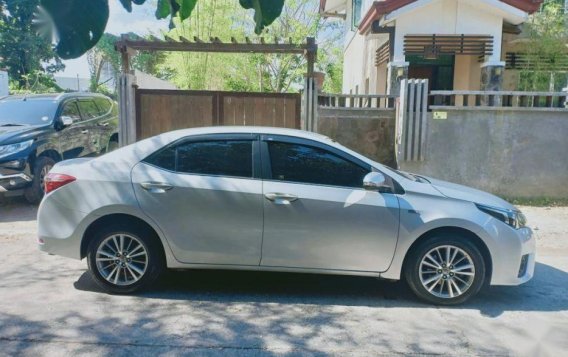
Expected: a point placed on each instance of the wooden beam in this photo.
(200, 46)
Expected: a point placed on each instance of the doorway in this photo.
(439, 71)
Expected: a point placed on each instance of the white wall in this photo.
(4, 90)
(73, 83)
(449, 17)
(146, 81)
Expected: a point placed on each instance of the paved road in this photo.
(50, 306)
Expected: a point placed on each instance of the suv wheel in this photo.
(35, 192)
(125, 259)
(445, 270)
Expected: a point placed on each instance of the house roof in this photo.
(529, 6)
(382, 7)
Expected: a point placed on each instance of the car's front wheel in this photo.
(35, 192)
(125, 259)
(445, 270)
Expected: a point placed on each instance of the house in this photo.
(456, 44)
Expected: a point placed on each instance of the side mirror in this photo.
(66, 121)
(63, 122)
(374, 181)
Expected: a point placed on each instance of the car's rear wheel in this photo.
(35, 192)
(445, 270)
(125, 259)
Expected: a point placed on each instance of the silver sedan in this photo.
(258, 198)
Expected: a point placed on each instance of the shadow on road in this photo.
(546, 292)
(16, 209)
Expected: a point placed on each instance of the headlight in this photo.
(6, 150)
(515, 219)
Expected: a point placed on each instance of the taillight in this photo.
(54, 181)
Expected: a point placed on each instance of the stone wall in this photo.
(370, 132)
(511, 152)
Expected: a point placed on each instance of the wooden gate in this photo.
(159, 111)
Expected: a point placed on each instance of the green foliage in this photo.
(104, 56)
(36, 82)
(547, 33)
(22, 52)
(79, 33)
(254, 72)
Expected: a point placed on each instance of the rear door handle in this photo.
(156, 187)
(281, 198)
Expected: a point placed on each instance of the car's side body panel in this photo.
(207, 219)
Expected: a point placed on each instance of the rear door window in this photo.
(88, 108)
(104, 105)
(232, 158)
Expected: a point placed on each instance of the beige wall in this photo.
(467, 73)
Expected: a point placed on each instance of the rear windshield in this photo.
(29, 112)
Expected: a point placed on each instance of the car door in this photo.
(89, 131)
(105, 124)
(72, 137)
(205, 193)
(316, 213)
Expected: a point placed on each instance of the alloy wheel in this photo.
(121, 259)
(447, 271)
(43, 174)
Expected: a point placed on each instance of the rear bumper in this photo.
(59, 229)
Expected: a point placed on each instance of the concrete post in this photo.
(492, 80)
(397, 71)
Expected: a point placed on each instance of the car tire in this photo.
(112, 145)
(35, 192)
(128, 270)
(440, 280)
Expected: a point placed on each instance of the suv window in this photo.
(307, 164)
(70, 110)
(219, 157)
(104, 106)
(88, 109)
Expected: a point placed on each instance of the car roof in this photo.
(245, 130)
(51, 96)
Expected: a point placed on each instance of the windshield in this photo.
(30, 112)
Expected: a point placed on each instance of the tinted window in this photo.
(306, 164)
(71, 110)
(165, 158)
(88, 109)
(227, 158)
(104, 106)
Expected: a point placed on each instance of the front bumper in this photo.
(516, 259)
(14, 181)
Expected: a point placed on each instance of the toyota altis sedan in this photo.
(257, 198)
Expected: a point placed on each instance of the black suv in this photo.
(36, 131)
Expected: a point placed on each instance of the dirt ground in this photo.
(50, 306)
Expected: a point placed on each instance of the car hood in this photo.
(15, 134)
(465, 193)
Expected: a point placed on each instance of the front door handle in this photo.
(156, 187)
(281, 198)
(84, 131)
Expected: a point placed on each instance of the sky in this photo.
(140, 21)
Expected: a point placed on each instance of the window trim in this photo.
(254, 138)
(267, 164)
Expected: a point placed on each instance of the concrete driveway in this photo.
(50, 306)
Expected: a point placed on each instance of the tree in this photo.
(104, 56)
(255, 72)
(546, 50)
(22, 52)
(78, 33)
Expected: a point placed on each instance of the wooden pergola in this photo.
(127, 81)
(127, 47)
